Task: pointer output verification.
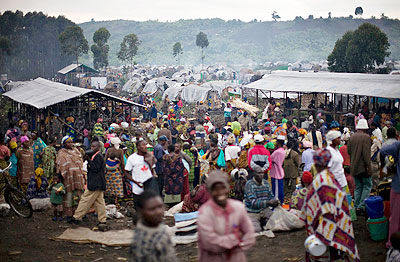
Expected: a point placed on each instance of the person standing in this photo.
(94, 193)
(174, 175)
(224, 228)
(258, 156)
(49, 160)
(115, 165)
(165, 132)
(38, 146)
(359, 149)
(159, 152)
(228, 113)
(307, 156)
(70, 166)
(139, 170)
(291, 166)
(394, 220)
(26, 167)
(329, 220)
(277, 173)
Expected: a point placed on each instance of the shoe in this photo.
(102, 227)
(54, 219)
(74, 221)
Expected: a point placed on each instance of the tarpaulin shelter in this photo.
(38, 98)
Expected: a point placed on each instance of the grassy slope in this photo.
(236, 42)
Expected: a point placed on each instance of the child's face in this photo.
(153, 211)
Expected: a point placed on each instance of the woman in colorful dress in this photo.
(49, 160)
(114, 166)
(70, 165)
(38, 147)
(37, 187)
(174, 176)
(326, 214)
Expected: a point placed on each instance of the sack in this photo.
(221, 159)
(282, 220)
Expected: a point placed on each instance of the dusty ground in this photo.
(29, 240)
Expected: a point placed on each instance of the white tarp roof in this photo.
(41, 93)
(221, 85)
(150, 87)
(132, 85)
(194, 93)
(375, 85)
(173, 91)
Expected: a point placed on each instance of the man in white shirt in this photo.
(232, 151)
(137, 170)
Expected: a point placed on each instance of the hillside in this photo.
(237, 42)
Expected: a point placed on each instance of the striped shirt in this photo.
(256, 196)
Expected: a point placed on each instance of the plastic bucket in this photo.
(378, 228)
(374, 206)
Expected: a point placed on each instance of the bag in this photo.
(282, 220)
(221, 159)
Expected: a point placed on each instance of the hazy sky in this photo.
(140, 10)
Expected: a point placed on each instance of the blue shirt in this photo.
(13, 169)
(393, 150)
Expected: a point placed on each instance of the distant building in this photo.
(77, 74)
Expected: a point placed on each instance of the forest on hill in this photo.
(236, 42)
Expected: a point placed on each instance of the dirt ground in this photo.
(30, 240)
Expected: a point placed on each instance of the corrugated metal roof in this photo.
(374, 85)
(42, 93)
(72, 67)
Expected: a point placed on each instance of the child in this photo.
(393, 254)
(56, 198)
(298, 196)
(151, 241)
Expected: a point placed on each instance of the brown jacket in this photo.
(291, 164)
(359, 149)
(167, 133)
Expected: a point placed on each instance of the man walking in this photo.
(159, 152)
(96, 185)
(359, 149)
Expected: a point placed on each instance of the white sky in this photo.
(171, 10)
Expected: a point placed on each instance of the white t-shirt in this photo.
(232, 152)
(139, 170)
(336, 166)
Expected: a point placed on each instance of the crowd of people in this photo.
(234, 170)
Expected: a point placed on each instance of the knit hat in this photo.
(216, 176)
(307, 177)
(270, 145)
(322, 157)
(362, 124)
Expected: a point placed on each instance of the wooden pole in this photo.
(334, 106)
(298, 109)
(257, 97)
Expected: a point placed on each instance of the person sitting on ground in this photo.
(258, 198)
(57, 190)
(151, 241)
(297, 200)
(224, 229)
(37, 187)
(199, 195)
(393, 254)
(96, 185)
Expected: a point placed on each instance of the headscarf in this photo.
(24, 139)
(115, 141)
(100, 120)
(307, 177)
(85, 132)
(270, 145)
(65, 139)
(332, 135)
(38, 176)
(322, 157)
(231, 139)
(13, 144)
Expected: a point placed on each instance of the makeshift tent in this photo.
(374, 85)
(174, 91)
(194, 93)
(132, 86)
(150, 87)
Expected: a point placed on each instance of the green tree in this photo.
(100, 48)
(275, 16)
(337, 59)
(359, 51)
(202, 42)
(128, 49)
(359, 11)
(73, 42)
(177, 50)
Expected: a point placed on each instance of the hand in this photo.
(57, 192)
(273, 203)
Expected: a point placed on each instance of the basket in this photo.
(378, 228)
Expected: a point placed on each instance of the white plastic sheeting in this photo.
(132, 85)
(194, 93)
(173, 91)
(150, 87)
(221, 85)
(375, 85)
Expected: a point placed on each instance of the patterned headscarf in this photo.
(24, 139)
(322, 157)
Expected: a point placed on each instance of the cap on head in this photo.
(362, 124)
(217, 176)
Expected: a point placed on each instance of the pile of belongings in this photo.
(185, 227)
